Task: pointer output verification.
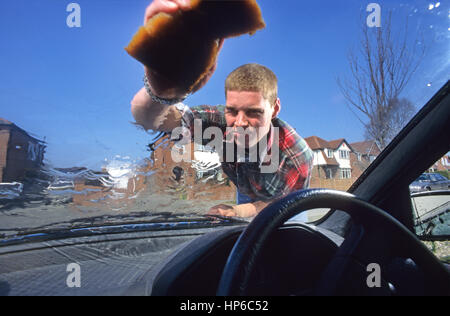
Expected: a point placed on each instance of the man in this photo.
(252, 104)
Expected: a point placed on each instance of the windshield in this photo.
(422, 178)
(349, 78)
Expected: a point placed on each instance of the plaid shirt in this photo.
(295, 157)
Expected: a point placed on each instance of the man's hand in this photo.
(241, 210)
(165, 6)
(223, 210)
(159, 85)
(150, 114)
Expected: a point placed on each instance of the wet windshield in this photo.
(70, 147)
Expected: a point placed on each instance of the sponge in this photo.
(182, 47)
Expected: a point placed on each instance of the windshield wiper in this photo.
(114, 224)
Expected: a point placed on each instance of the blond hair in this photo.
(253, 77)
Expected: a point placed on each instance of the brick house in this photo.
(337, 164)
(160, 174)
(331, 158)
(198, 176)
(20, 153)
(364, 153)
(442, 164)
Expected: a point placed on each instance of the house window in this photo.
(359, 157)
(344, 154)
(179, 149)
(329, 153)
(346, 173)
(329, 173)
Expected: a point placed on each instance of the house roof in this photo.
(331, 161)
(10, 125)
(315, 142)
(334, 144)
(5, 122)
(368, 147)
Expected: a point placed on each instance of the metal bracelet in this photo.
(157, 99)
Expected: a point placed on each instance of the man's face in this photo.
(250, 112)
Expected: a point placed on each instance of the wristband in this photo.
(157, 99)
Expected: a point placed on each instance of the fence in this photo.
(336, 184)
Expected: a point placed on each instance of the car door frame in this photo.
(385, 183)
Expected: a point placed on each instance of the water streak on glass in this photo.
(122, 186)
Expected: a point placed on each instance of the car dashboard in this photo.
(291, 263)
(181, 262)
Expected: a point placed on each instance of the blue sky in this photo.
(73, 86)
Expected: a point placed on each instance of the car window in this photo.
(350, 76)
(422, 178)
(430, 203)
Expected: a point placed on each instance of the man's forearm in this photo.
(250, 209)
(153, 115)
(260, 205)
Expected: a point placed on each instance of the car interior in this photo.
(370, 224)
(261, 267)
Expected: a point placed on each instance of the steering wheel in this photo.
(375, 237)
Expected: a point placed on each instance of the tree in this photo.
(379, 73)
(389, 120)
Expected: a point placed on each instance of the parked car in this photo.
(428, 182)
